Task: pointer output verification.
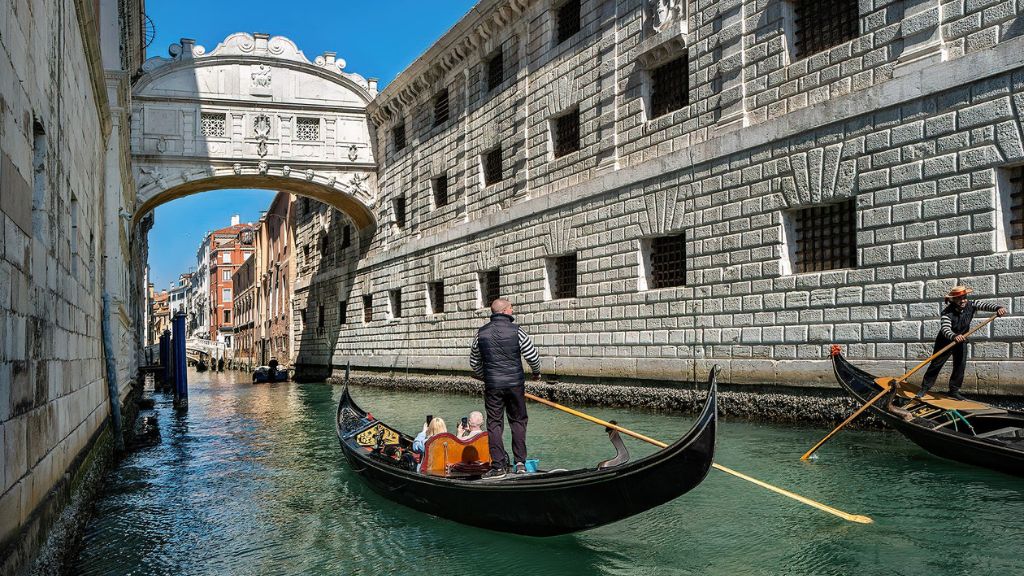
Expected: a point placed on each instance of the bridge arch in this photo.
(253, 113)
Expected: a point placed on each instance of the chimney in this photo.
(235, 220)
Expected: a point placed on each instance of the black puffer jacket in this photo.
(498, 350)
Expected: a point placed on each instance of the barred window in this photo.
(562, 276)
(567, 21)
(490, 287)
(1016, 231)
(346, 237)
(667, 257)
(495, 70)
(439, 187)
(343, 312)
(492, 166)
(441, 107)
(320, 317)
(566, 133)
(367, 308)
(395, 299)
(826, 237)
(435, 293)
(822, 24)
(398, 205)
(398, 133)
(213, 125)
(670, 86)
(307, 129)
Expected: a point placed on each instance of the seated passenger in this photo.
(434, 427)
(473, 427)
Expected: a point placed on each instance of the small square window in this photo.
(665, 260)
(561, 276)
(367, 308)
(398, 206)
(343, 312)
(825, 237)
(567, 21)
(495, 70)
(490, 287)
(225, 295)
(227, 316)
(565, 133)
(398, 134)
(395, 302)
(441, 107)
(212, 124)
(435, 296)
(307, 129)
(492, 166)
(822, 24)
(670, 86)
(439, 188)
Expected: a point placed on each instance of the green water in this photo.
(251, 481)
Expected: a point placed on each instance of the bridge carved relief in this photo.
(253, 113)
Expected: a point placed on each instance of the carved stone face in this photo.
(663, 12)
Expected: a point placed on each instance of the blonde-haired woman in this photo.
(433, 428)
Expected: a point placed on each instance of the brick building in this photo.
(229, 248)
(275, 275)
(245, 291)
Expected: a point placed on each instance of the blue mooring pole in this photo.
(165, 360)
(180, 376)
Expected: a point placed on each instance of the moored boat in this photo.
(269, 374)
(545, 503)
(963, 430)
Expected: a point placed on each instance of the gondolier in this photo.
(495, 359)
(956, 322)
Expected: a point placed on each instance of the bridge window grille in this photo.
(826, 237)
(307, 129)
(668, 261)
(564, 276)
(439, 186)
(670, 86)
(343, 312)
(398, 134)
(398, 205)
(567, 21)
(1017, 208)
(435, 291)
(395, 299)
(495, 70)
(492, 166)
(566, 129)
(822, 24)
(367, 308)
(490, 287)
(441, 107)
(213, 125)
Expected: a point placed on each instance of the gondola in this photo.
(545, 503)
(962, 430)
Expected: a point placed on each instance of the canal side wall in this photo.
(917, 120)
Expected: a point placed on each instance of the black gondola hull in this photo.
(944, 443)
(549, 504)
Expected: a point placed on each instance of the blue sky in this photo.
(377, 39)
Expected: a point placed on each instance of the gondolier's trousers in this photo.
(499, 402)
(956, 379)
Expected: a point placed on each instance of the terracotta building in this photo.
(229, 248)
(275, 273)
(159, 315)
(245, 312)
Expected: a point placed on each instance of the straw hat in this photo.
(959, 292)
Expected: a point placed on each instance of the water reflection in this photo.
(251, 481)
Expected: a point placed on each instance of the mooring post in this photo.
(165, 360)
(180, 375)
(348, 371)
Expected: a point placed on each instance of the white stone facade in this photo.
(917, 118)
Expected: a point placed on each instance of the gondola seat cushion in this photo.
(443, 450)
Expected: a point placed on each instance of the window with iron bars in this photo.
(346, 237)
(567, 21)
(670, 86)
(212, 125)
(562, 276)
(343, 312)
(439, 187)
(441, 107)
(566, 133)
(490, 287)
(398, 134)
(495, 70)
(667, 258)
(395, 297)
(307, 129)
(492, 166)
(435, 292)
(398, 205)
(826, 237)
(367, 308)
(1016, 231)
(822, 24)
(320, 317)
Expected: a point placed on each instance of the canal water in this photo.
(251, 481)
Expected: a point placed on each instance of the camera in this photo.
(429, 418)
(465, 422)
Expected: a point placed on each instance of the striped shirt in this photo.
(946, 325)
(526, 346)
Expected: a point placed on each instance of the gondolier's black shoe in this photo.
(494, 474)
(920, 393)
(956, 395)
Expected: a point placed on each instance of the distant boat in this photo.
(546, 503)
(201, 366)
(269, 374)
(963, 430)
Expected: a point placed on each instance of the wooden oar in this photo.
(823, 507)
(888, 383)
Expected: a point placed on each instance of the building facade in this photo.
(663, 186)
(160, 314)
(229, 248)
(198, 320)
(244, 304)
(275, 270)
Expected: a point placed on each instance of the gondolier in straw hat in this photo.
(956, 321)
(495, 359)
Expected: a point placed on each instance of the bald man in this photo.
(495, 359)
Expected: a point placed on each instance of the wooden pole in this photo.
(823, 507)
(944, 350)
(845, 422)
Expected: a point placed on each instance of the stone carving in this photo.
(150, 176)
(664, 13)
(309, 174)
(332, 181)
(286, 170)
(820, 175)
(161, 145)
(261, 78)
(562, 238)
(263, 167)
(664, 212)
(261, 125)
(353, 153)
(487, 258)
(358, 182)
(237, 168)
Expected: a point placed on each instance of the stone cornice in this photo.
(88, 28)
(484, 21)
